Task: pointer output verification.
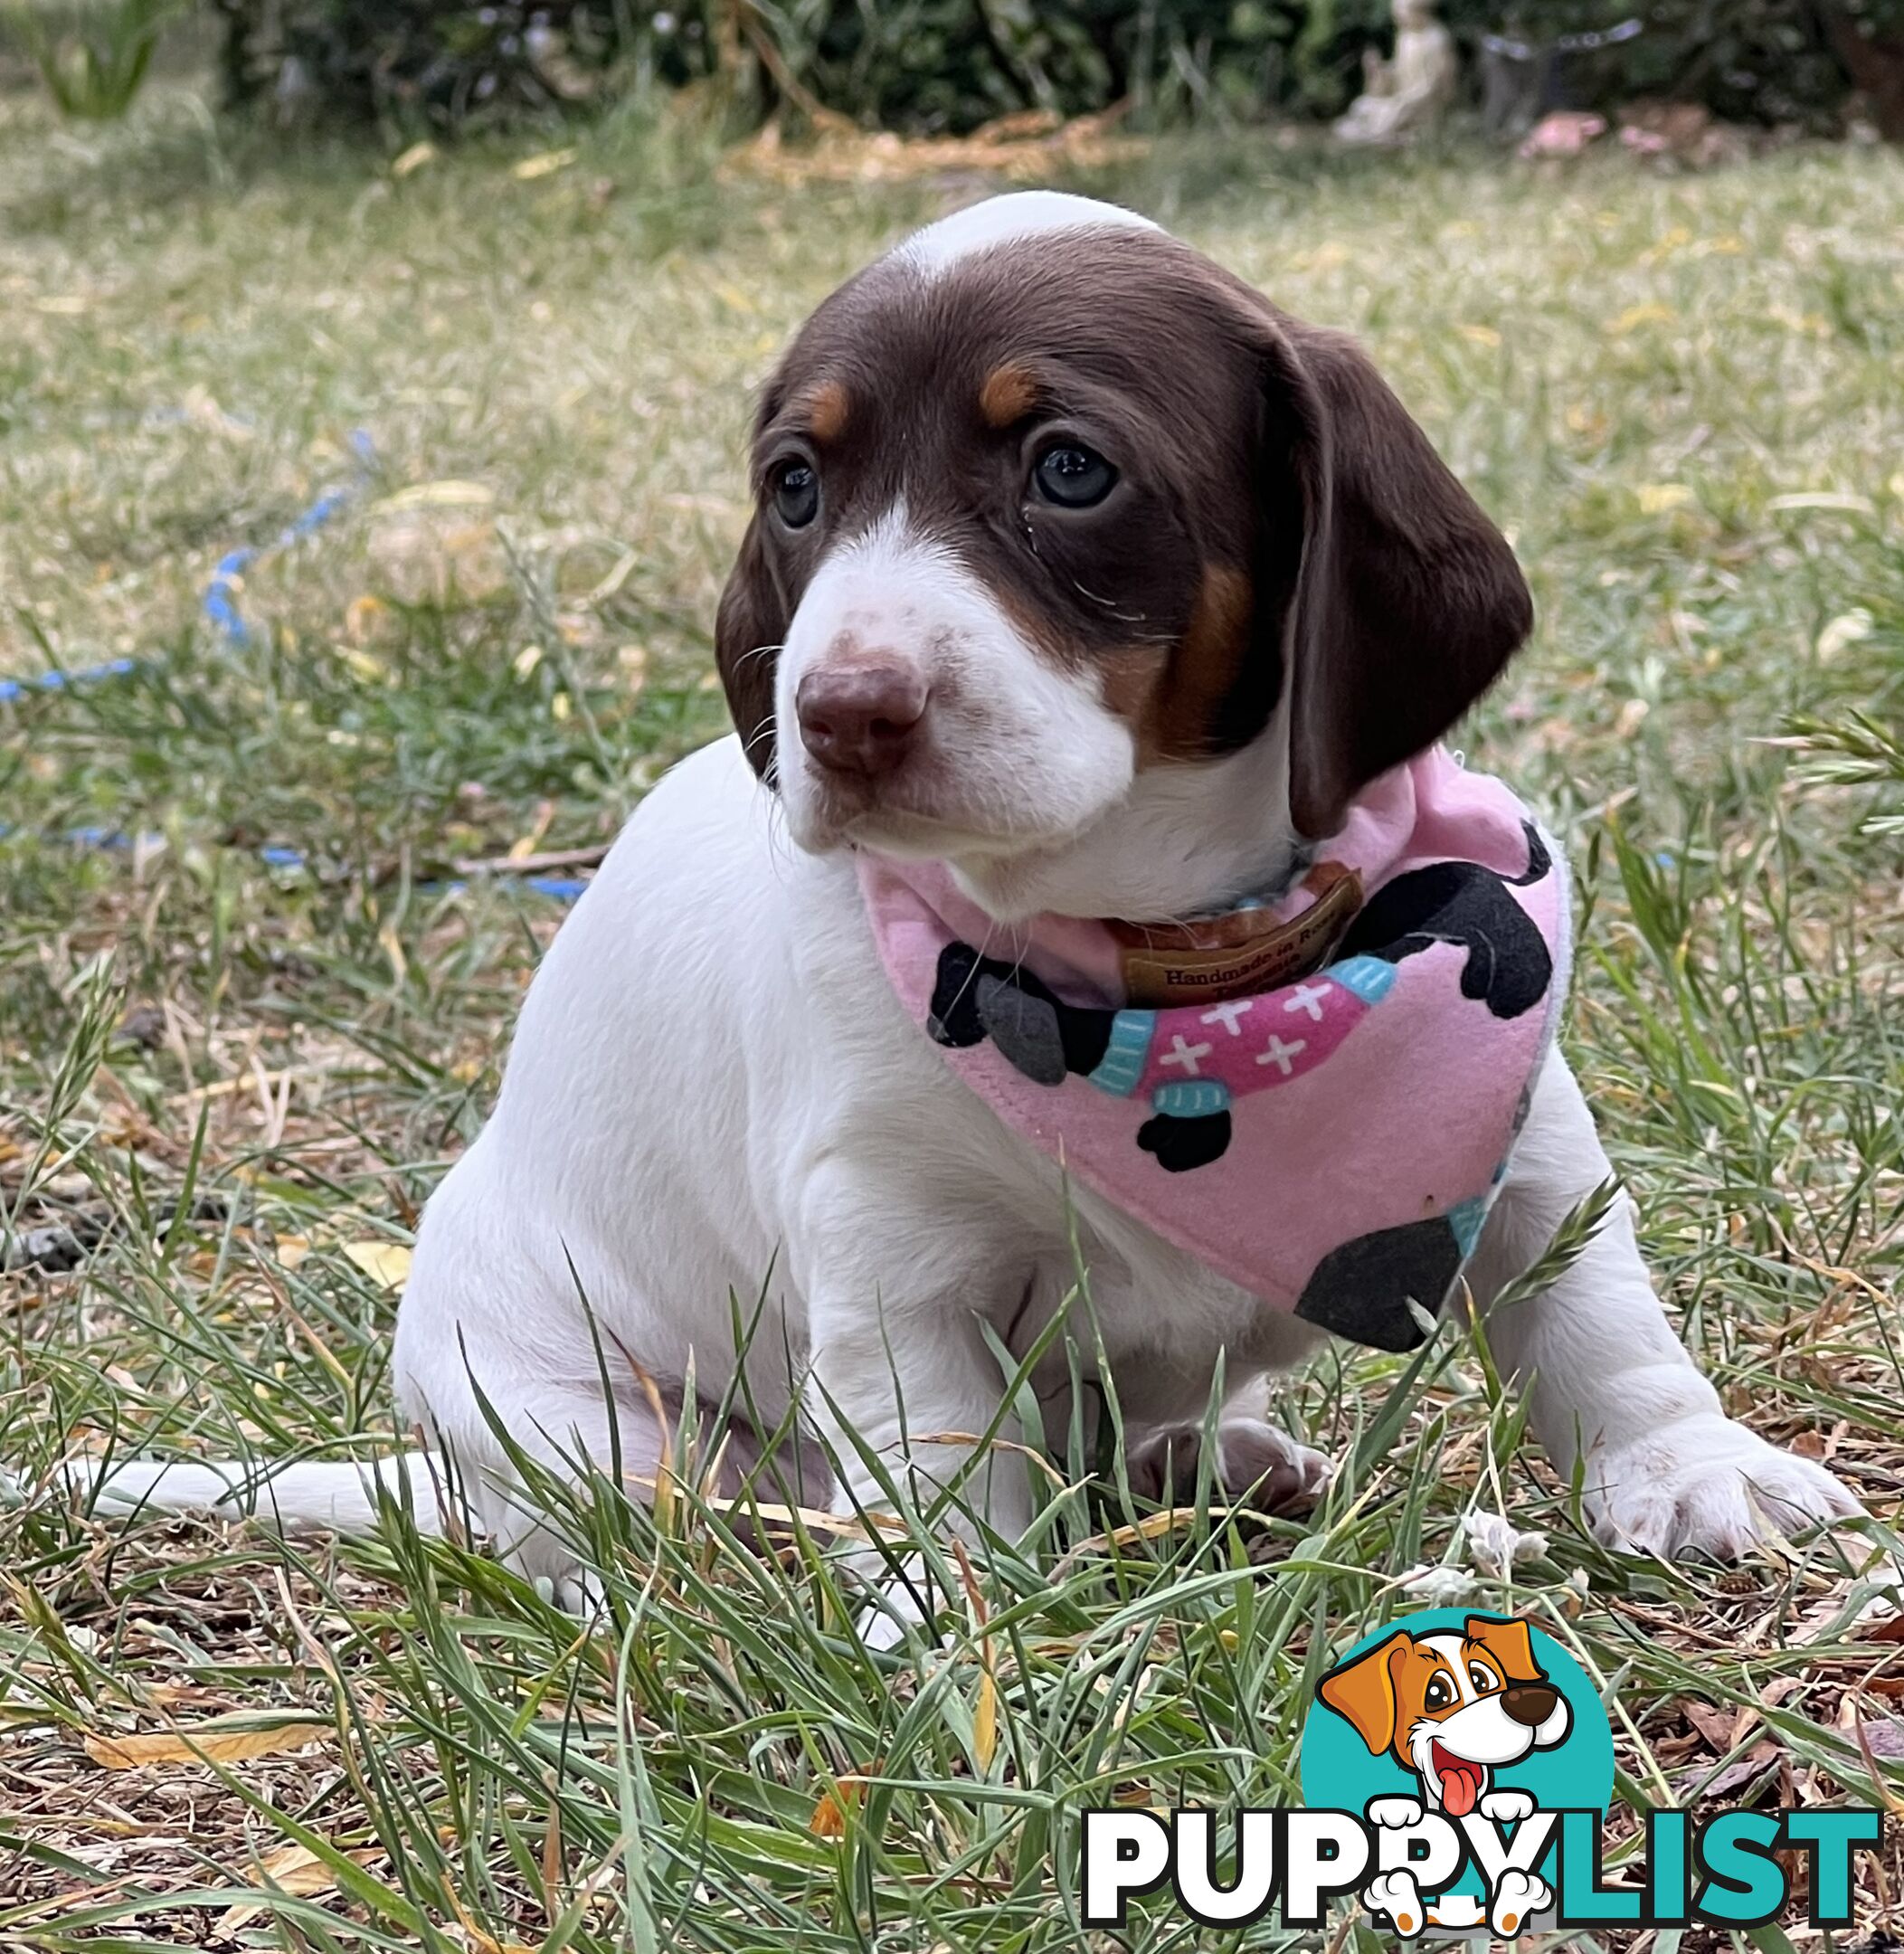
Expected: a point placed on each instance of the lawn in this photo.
(263, 928)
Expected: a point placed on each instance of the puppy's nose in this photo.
(1530, 1702)
(860, 717)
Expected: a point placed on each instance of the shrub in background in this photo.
(94, 58)
(449, 63)
(948, 65)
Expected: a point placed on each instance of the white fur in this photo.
(1518, 1897)
(1005, 220)
(714, 1091)
(1396, 1897)
(1014, 751)
(712, 1080)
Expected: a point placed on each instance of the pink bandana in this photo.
(1315, 1097)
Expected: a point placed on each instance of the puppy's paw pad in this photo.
(1706, 1484)
(1506, 1808)
(1518, 1898)
(1394, 1898)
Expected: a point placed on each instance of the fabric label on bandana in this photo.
(1248, 950)
(1317, 1099)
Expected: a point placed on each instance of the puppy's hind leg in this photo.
(1665, 1471)
(508, 1461)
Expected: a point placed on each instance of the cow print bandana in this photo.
(1315, 1096)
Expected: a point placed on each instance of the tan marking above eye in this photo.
(1009, 394)
(828, 409)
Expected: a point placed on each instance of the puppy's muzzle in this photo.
(1530, 1702)
(860, 719)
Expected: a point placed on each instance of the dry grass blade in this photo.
(229, 1741)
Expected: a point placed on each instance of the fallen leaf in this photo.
(1714, 1725)
(1852, 627)
(361, 617)
(413, 158)
(1480, 334)
(387, 1264)
(1641, 315)
(363, 665)
(1883, 1739)
(830, 1816)
(545, 165)
(1854, 505)
(1892, 1802)
(291, 1869)
(216, 1743)
(1760, 1758)
(446, 494)
(1657, 498)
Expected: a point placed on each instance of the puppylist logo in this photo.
(1456, 1770)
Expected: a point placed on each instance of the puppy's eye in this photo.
(796, 493)
(1482, 1679)
(1438, 1694)
(1074, 475)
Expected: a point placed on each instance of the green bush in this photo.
(94, 58)
(948, 65)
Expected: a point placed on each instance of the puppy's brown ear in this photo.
(748, 630)
(1363, 1692)
(1400, 600)
(1508, 1643)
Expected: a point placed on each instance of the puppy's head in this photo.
(1044, 500)
(1451, 1707)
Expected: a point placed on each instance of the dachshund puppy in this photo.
(1101, 618)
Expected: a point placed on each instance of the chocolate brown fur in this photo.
(1278, 523)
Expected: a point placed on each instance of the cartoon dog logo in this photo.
(1453, 1708)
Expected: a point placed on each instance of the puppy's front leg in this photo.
(1666, 1470)
(899, 1366)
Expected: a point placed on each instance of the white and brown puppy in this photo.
(1077, 567)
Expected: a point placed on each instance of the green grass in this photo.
(1681, 396)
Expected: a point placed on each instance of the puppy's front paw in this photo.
(1397, 1899)
(1394, 1813)
(1706, 1484)
(1518, 1897)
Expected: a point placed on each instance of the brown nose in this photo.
(1530, 1702)
(860, 717)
